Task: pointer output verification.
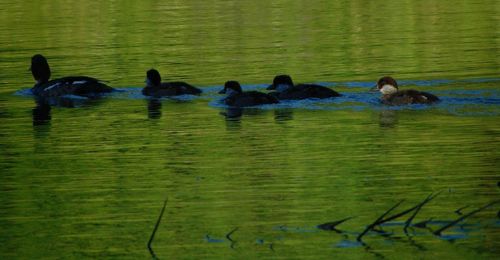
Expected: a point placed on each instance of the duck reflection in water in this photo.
(42, 110)
(388, 118)
(283, 115)
(233, 116)
(154, 108)
(41, 113)
(233, 113)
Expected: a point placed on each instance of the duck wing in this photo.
(430, 97)
(73, 85)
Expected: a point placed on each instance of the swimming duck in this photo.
(73, 85)
(285, 89)
(154, 86)
(392, 96)
(237, 98)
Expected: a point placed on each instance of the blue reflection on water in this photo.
(457, 101)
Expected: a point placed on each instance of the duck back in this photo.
(410, 97)
(183, 88)
(303, 91)
(171, 89)
(250, 98)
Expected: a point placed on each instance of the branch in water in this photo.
(377, 222)
(420, 206)
(422, 224)
(439, 231)
(459, 211)
(156, 228)
(228, 236)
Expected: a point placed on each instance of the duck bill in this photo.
(374, 89)
(222, 91)
(271, 87)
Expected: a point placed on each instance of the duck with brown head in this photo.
(73, 85)
(236, 97)
(286, 90)
(155, 88)
(391, 95)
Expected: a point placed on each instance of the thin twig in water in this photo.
(369, 227)
(333, 225)
(228, 236)
(422, 224)
(156, 228)
(439, 231)
(420, 206)
(459, 211)
(376, 254)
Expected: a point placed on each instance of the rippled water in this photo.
(90, 181)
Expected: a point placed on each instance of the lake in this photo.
(90, 180)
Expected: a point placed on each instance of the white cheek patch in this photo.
(282, 87)
(388, 89)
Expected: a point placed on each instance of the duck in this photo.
(286, 90)
(236, 97)
(156, 88)
(391, 95)
(72, 85)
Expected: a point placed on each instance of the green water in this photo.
(91, 181)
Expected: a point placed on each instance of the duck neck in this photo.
(230, 92)
(282, 88)
(40, 81)
(151, 84)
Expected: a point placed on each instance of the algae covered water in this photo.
(89, 180)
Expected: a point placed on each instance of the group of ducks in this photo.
(282, 88)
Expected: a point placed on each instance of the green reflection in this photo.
(90, 182)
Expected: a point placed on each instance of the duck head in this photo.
(386, 85)
(153, 78)
(40, 69)
(231, 88)
(281, 83)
